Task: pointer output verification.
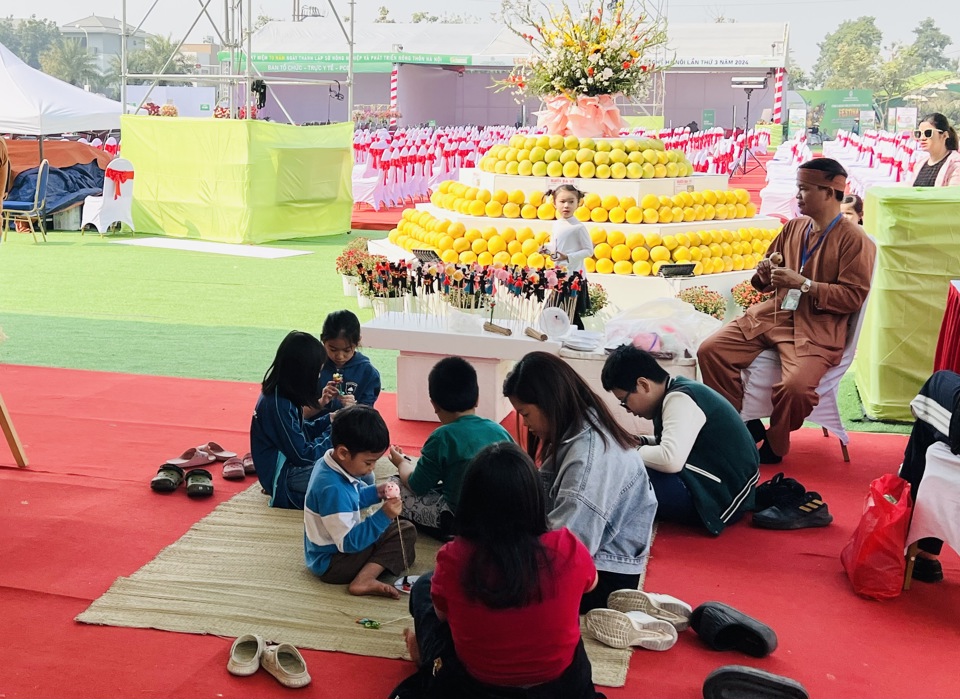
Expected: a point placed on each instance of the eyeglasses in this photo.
(926, 133)
(623, 401)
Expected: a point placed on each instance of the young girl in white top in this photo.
(570, 242)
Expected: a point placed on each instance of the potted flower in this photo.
(599, 300)
(744, 295)
(346, 264)
(705, 301)
(582, 59)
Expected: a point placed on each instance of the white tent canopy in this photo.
(35, 104)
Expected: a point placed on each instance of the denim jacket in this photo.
(602, 494)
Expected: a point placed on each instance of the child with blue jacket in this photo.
(353, 375)
(338, 546)
(283, 444)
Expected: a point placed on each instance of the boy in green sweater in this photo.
(430, 490)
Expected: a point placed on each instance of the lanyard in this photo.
(806, 254)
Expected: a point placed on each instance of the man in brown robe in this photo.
(821, 265)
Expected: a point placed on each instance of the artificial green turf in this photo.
(86, 303)
(82, 302)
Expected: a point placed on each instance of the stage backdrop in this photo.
(918, 247)
(238, 181)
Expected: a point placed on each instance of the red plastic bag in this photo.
(874, 558)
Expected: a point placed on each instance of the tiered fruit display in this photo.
(685, 207)
(454, 242)
(569, 156)
(711, 251)
(615, 252)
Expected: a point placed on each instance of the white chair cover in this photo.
(116, 204)
(764, 372)
(936, 512)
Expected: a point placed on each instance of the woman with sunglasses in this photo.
(702, 460)
(594, 477)
(941, 168)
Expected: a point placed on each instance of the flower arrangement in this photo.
(221, 112)
(599, 299)
(374, 116)
(152, 108)
(377, 279)
(358, 243)
(347, 262)
(242, 112)
(744, 295)
(169, 110)
(705, 301)
(594, 52)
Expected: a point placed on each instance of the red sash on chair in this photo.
(118, 177)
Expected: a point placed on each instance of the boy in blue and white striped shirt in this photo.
(338, 546)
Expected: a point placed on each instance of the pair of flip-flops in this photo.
(236, 468)
(169, 478)
(203, 455)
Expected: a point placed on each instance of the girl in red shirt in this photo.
(501, 608)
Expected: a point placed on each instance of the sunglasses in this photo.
(926, 133)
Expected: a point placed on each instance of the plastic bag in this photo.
(874, 556)
(679, 326)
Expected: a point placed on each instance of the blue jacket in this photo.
(280, 440)
(602, 494)
(331, 515)
(360, 380)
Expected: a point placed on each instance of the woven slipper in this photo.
(233, 469)
(168, 479)
(286, 664)
(740, 682)
(199, 483)
(219, 453)
(248, 466)
(619, 630)
(192, 458)
(659, 606)
(724, 628)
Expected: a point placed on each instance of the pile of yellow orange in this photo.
(454, 242)
(711, 251)
(473, 201)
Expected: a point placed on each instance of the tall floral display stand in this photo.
(582, 61)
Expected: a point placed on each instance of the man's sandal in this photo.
(168, 479)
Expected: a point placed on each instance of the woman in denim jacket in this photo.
(596, 484)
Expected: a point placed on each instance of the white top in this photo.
(571, 238)
(682, 421)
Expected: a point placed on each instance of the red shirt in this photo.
(517, 646)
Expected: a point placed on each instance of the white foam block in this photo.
(215, 248)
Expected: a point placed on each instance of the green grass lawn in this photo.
(83, 302)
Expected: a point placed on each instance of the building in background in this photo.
(101, 36)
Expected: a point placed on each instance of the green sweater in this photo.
(448, 451)
(700, 436)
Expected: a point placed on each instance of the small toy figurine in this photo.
(338, 379)
(391, 490)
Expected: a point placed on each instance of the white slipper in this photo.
(286, 664)
(245, 655)
(657, 605)
(620, 630)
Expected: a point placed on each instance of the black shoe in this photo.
(768, 455)
(740, 681)
(778, 490)
(722, 627)
(803, 513)
(756, 430)
(927, 570)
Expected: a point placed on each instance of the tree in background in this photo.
(797, 78)
(69, 60)
(383, 16)
(893, 77)
(849, 55)
(151, 59)
(929, 47)
(28, 38)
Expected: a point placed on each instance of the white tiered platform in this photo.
(621, 188)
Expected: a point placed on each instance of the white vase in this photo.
(363, 301)
(349, 284)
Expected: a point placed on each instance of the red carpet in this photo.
(83, 514)
(755, 178)
(366, 219)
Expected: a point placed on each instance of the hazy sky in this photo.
(809, 20)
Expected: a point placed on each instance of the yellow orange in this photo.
(639, 253)
(659, 253)
(602, 251)
(619, 253)
(518, 259)
(642, 268)
(597, 235)
(493, 209)
(605, 266)
(598, 215)
(616, 237)
(623, 267)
